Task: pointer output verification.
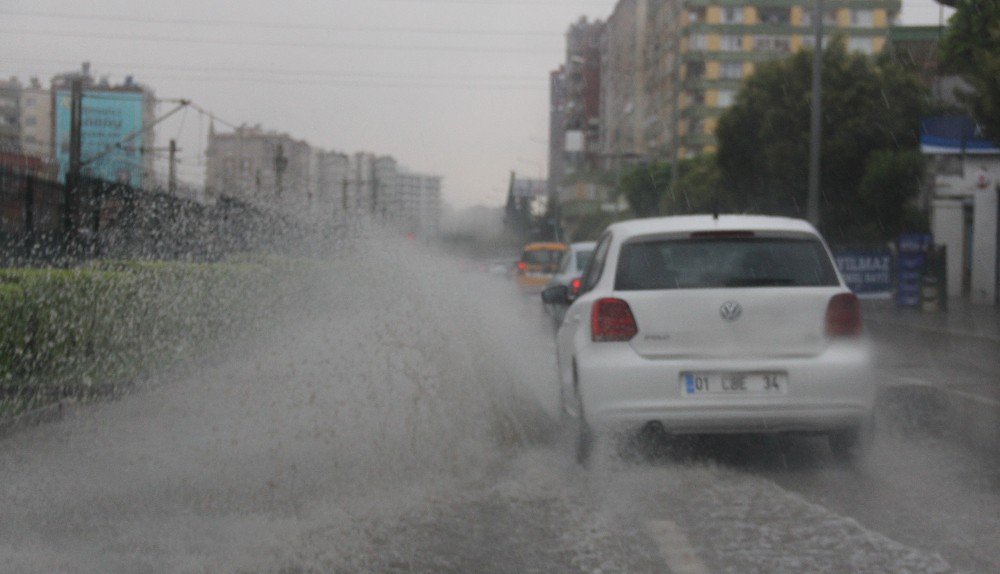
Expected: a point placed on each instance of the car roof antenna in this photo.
(715, 209)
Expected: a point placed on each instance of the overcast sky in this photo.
(458, 88)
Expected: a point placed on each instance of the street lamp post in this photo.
(815, 123)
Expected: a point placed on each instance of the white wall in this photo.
(984, 247)
(947, 227)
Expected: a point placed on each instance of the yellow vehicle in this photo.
(539, 262)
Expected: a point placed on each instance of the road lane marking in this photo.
(675, 548)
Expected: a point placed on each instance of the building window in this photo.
(863, 45)
(774, 15)
(732, 15)
(809, 41)
(30, 121)
(698, 42)
(696, 15)
(772, 44)
(697, 127)
(829, 17)
(246, 167)
(725, 98)
(697, 98)
(732, 70)
(695, 70)
(731, 43)
(862, 18)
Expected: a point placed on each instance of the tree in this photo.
(971, 48)
(764, 137)
(644, 186)
(891, 180)
(700, 188)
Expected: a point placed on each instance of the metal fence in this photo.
(42, 221)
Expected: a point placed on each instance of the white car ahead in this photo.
(705, 324)
(571, 267)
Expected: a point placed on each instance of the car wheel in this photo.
(850, 445)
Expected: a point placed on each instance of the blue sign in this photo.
(911, 261)
(108, 118)
(868, 272)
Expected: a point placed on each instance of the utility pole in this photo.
(815, 119)
(172, 173)
(675, 98)
(280, 164)
(374, 188)
(75, 153)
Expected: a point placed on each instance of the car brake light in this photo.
(612, 320)
(843, 316)
(574, 286)
(521, 266)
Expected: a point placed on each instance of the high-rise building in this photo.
(420, 204)
(332, 177)
(262, 167)
(574, 113)
(708, 47)
(36, 121)
(624, 102)
(10, 116)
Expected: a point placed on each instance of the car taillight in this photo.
(612, 320)
(521, 266)
(843, 316)
(574, 286)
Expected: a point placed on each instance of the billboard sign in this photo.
(912, 262)
(868, 272)
(108, 118)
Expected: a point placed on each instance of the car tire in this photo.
(852, 444)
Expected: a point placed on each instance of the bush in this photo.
(61, 331)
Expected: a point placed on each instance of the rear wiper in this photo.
(762, 282)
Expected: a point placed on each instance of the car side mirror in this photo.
(556, 295)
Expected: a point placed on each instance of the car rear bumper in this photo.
(832, 391)
(533, 284)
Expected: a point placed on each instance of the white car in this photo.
(571, 267)
(703, 324)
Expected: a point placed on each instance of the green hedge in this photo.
(62, 331)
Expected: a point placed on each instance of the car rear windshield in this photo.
(542, 256)
(582, 258)
(704, 263)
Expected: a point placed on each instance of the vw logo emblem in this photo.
(731, 310)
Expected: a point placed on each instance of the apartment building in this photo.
(705, 49)
(624, 98)
(262, 167)
(420, 204)
(35, 104)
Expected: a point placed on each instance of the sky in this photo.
(456, 88)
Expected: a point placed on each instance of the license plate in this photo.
(734, 383)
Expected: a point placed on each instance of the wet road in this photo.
(400, 421)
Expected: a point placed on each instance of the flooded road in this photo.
(402, 420)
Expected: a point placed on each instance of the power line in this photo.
(273, 44)
(402, 84)
(283, 72)
(276, 26)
